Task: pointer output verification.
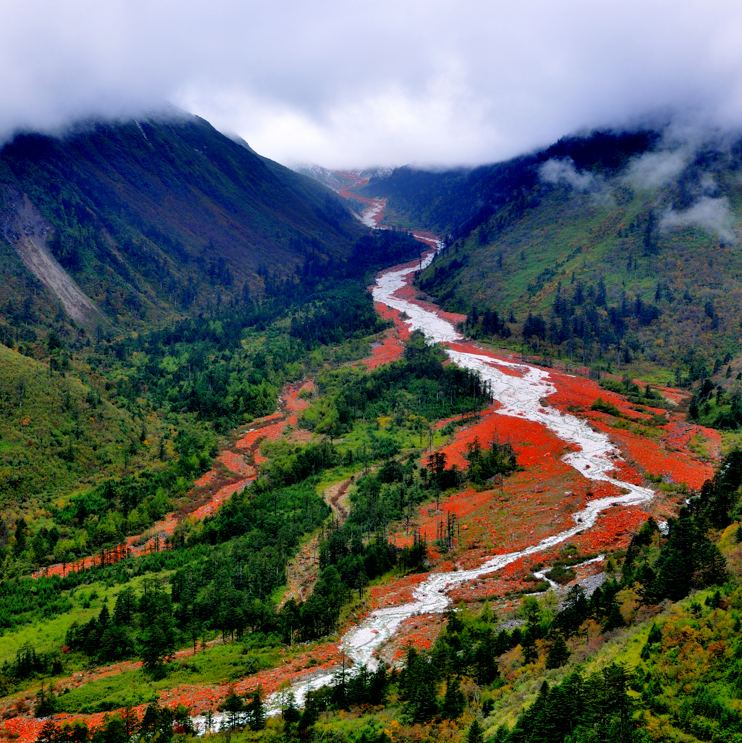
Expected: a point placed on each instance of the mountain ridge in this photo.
(161, 216)
(622, 246)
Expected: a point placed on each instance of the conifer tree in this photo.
(255, 710)
(453, 704)
(475, 733)
(558, 653)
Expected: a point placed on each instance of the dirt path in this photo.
(303, 571)
(336, 496)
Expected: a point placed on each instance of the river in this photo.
(519, 396)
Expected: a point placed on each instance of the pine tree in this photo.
(617, 703)
(475, 733)
(291, 713)
(255, 710)
(234, 706)
(486, 669)
(45, 702)
(615, 618)
(454, 702)
(558, 653)
(655, 634)
(419, 685)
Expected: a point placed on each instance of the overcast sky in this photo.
(345, 83)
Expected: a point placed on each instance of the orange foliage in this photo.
(390, 349)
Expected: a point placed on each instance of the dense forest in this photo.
(434, 688)
(162, 397)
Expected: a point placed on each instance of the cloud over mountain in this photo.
(384, 82)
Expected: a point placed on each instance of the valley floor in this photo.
(613, 470)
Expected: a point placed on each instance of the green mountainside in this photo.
(57, 430)
(150, 219)
(616, 251)
(159, 284)
(459, 200)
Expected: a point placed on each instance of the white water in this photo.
(543, 574)
(371, 213)
(519, 396)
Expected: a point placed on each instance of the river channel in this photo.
(519, 395)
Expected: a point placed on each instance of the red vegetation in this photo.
(397, 591)
(390, 349)
(427, 237)
(529, 506)
(402, 329)
(534, 444)
(255, 435)
(213, 482)
(224, 494)
(235, 463)
(293, 404)
(206, 479)
(613, 530)
(419, 631)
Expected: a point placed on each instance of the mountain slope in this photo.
(153, 217)
(58, 431)
(458, 200)
(622, 249)
(340, 180)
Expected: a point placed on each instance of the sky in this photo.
(354, 84)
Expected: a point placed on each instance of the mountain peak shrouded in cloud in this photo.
(383, 83)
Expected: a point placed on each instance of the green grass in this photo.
(48, 635)
(212, 666)
(58, 433)
(222, 663)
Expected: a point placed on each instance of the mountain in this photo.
(340, 180)
(133, 222)
(58, 431)
(609, 249)
(459, 199)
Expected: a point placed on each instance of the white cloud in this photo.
(434, 81)
(656, 169)
(713, 215)
(563, 171)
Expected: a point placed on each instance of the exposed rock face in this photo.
(27, 231)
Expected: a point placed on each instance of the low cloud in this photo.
(656, 169)
(713, 215)
(353, 84)
(563, 171)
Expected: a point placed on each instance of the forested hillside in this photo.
(141, 263)
(616, 251)
(151, 219)
(459, 200)
(208, 488)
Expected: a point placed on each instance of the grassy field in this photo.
(216, 664)
(58, 432)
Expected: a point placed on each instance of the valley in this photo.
(583, 483)
(395, 490)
